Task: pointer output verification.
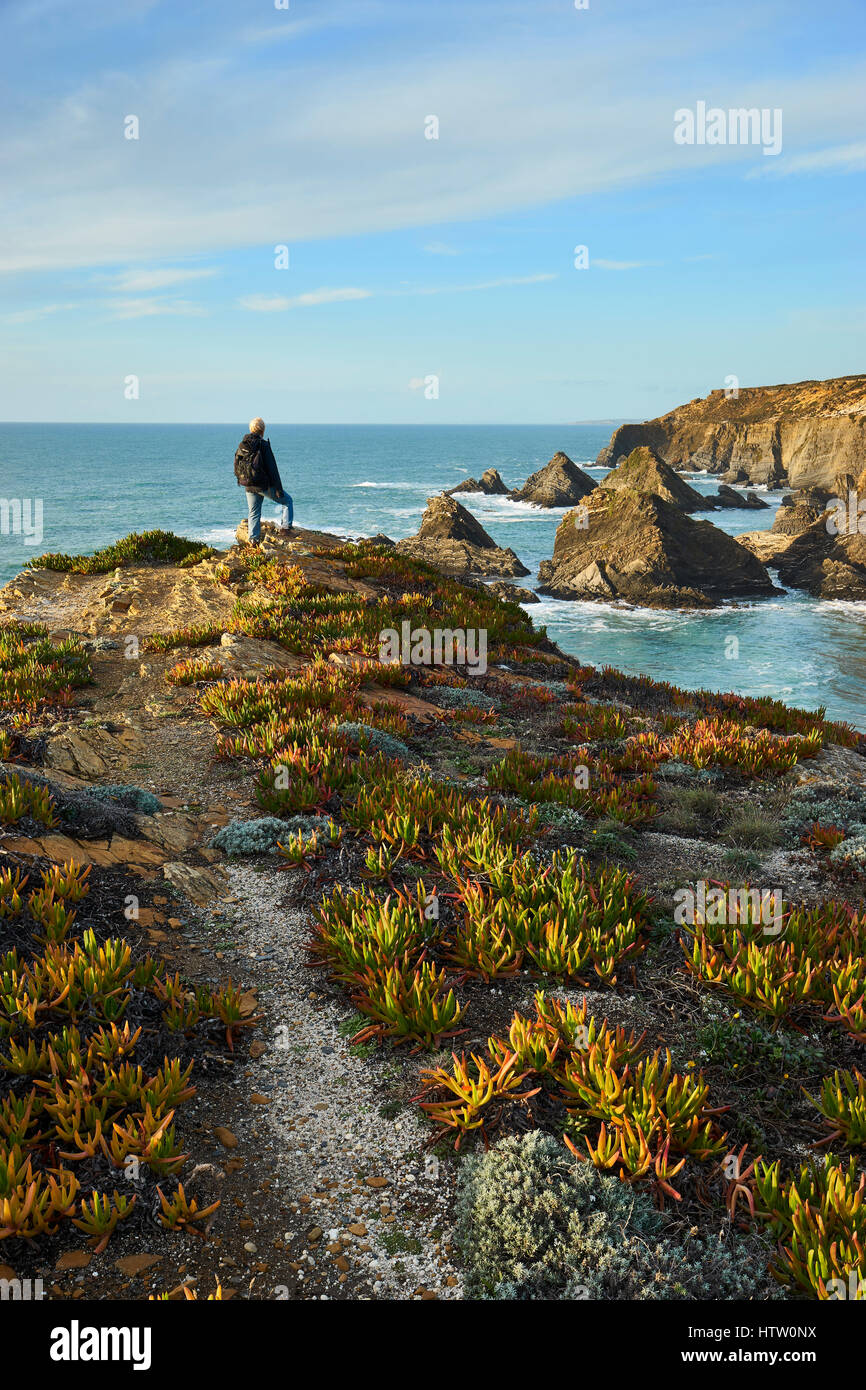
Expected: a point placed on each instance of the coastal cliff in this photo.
(801, 435)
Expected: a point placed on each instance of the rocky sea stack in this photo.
(644, 471)
(451, 539)
(631, 545)
(489, 483)
(798, 435)
(560, 483)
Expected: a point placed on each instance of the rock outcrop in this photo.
(798, 435)
(489, 483)
(512, 593)
(453, 541)
(766, 546)
(644, 471)
(798, 511)
(729, 497)
(635, 546)
(826, 563)
(560, 483)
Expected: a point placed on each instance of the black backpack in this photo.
(250, 468)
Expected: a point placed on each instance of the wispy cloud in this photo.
(154, 308)
(621, 265)
(441, 248)
(334, 146)
(274, 304)
(37, 313)
(835, 159)
(141, 281)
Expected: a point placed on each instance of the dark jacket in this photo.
(272, 473)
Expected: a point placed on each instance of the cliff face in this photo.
(802, 435)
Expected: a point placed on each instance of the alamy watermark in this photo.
(22, 516)
(846, 516)
(441, 647)
(712, 125)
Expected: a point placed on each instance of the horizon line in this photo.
(355, 424)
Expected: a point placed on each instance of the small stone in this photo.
(136, 1264)
(378, 1182)
(250, 1247)
(314, 1234)
(73, 1259)
(226, 1138)
(357, 1228)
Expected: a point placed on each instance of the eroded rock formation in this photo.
(451, 539)
(799, 435)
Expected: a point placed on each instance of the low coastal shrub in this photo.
(260, 836)
(533, 1223)
(815, 967)
(95, 1062)
(191, 672)
(818, 1217)
(591, 785)
(453, 697)
(146, 548)
(35, 671)
(135, 798)
(377, 740)
(21, 798)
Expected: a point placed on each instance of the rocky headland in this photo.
(800, 436)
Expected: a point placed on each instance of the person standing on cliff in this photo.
(256, 471)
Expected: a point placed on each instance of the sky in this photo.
(361, 211)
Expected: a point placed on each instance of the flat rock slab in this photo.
(85, 753)
(201, 886)
(245, 658)
(409, 704)
(138, 855)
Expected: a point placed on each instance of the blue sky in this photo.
(410, 257)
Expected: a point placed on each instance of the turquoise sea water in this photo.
(99, 482)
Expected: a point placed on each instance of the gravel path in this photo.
(376, 1206)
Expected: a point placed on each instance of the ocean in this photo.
(99, 482)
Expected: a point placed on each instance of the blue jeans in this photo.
(254, 503)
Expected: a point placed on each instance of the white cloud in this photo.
(836, 159)
(272, 304)
(620, 265)
(34, 315)
(440, 248)
(140, 281)
(319, 146)
(154, 308)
